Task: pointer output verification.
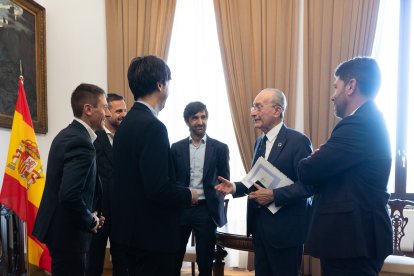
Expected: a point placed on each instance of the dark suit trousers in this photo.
(197, 218)
(96, 255)
(67, 263)
(271, 261)
(361, 266)
(129, 261)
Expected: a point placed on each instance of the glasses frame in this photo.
(260, 107)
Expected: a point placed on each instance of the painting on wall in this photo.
(22, 52)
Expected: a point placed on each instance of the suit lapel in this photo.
(278, 145)
(186, 156)
(207, 156)
(106, 145)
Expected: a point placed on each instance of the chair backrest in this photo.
(399, 221)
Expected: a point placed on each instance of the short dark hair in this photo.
(366, 72)
(193, 108)
(85, 93)
(144, 73)
(110, 97)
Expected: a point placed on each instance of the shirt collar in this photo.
(92, 133)
(153, 110)
(203, 140)
(272, 134)
(107, 130)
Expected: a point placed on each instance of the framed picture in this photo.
(23, 52)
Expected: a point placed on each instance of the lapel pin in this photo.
(279, 145)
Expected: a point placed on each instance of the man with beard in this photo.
(350, 229)
(103, 146)
(198, 161)
(66, 218)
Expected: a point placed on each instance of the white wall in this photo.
(75, 53)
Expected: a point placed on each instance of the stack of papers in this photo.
(269, 176)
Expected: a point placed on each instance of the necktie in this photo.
(261, 150)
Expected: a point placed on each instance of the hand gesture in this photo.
(225, 187)
(96, 219)
(262, 196)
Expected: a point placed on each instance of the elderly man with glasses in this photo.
(277, 238)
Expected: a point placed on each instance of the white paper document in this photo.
(269, 176)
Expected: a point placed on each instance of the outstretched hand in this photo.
(225, 186)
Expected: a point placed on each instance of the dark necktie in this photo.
(261, 150)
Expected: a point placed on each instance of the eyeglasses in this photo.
(259, 107)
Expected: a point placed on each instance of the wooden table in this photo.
(230, 236)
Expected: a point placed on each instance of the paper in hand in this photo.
(269, 176)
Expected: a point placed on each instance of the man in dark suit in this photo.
(350, 229)
(199, 160)
(103, 146)
(66, 220)
(277, 238)
(146, 201)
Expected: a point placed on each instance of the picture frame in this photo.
(23, 52)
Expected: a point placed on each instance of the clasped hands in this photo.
(99, 222)
(262, 196)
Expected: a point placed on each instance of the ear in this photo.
(160, 85)
(87, 109)
(351, 86)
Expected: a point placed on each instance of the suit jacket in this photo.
(216, 163)
(105, 168)
(288, 226)
(146, 201)
(349, 216)
(64, 217)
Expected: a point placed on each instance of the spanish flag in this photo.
(24, 179)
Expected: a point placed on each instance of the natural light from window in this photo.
(197, 75)
(410, 118)
(386, 53)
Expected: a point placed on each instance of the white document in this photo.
(269, 176)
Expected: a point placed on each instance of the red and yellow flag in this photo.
(24, 179)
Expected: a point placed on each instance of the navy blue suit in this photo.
(104, 161)
(203, 219)
(146, 201)
(65, 213)
(287, 228)
(349, 213)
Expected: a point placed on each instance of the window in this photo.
(197, 75)
(392, 46)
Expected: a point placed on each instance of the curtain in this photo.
(135, 28)
(259, 49)
(334, 31)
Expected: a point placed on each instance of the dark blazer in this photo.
(349, 216)
(145, 204)
(64, 217)
(288, 226)
(216, 163)
(105, 167)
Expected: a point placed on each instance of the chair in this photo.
(398, 263)
(190, 253)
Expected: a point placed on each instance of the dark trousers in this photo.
(361, 266)
(96, 254)
(198, 219)
(67, 263)
(271, 261)
(128, 261)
